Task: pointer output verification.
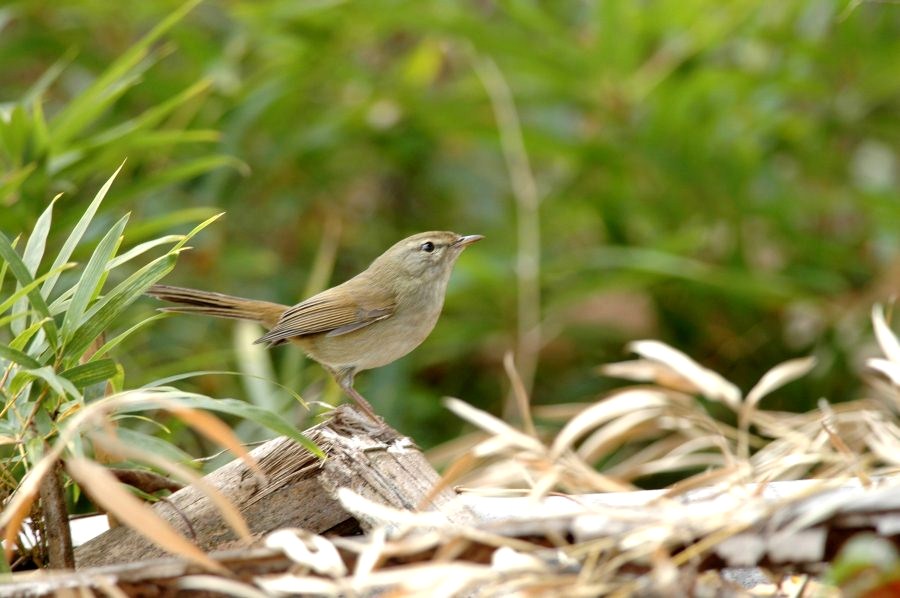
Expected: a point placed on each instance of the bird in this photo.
(369, 321)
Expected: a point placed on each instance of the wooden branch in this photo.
(299, 490)
(56, 520)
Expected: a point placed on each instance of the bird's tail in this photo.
(192, 301)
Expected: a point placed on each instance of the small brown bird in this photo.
(376, 317)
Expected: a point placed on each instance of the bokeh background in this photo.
(718, 175)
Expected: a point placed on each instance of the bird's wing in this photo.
(332, 312)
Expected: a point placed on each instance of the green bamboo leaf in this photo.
(37, 241)
(57, 383)
(72, 242)
(168, 138)
(7, 319)
(90, 373)
(20, 341)
(88, 285)
(245, 410)
(12, 179)
(149, 118)
(102, 313)
(44, 82)
(186, 375)
(194, 231)
(150, 228)
(31, 257)
(154, 445)
(7, 352)
(4, 265)
(115, 342)
(23, 291)
(140, 249)
(70, 122)
(40, 135)
(24, 278)
(189, 170)
(72, 119)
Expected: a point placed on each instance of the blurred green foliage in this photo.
(722, 176)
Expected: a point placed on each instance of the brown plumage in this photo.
(376, 317)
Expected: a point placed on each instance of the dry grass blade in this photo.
(707, 382)
(105, 490)
(16, 510)
(889, 369)
(884, 442)
(309, 550)
(519, 392)
(492, 425)
(628, 427)
(210, 584)
(644, 370)
(372, 511)
(290, 584)
(781, 374)
(230, 513)
(887, 340)
(216, 430)
(775, 378)
(623, 403)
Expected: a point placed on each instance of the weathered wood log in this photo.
(299, 490)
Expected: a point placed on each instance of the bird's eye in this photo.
(427, 246)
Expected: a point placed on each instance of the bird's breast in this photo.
(379, 343)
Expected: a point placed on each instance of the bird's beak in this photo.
(467, 240)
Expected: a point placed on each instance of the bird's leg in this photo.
(344, 378)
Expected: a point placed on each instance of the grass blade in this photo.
(24, 290)
(115, 342)
(107, 492)
(107, 309)
(90, 373)
(14, 355)
(23, 276)
(245, 410)
(58, 384)
(75, 237)
(140, 249)
(71, 120)
(31, 256)
(87, 286)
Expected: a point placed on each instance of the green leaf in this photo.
(139, 250)
(23, 291)
(22, 339)
(73, 118)
(148, 118)
(12, 179)
(146, 229)
(24, 278)
(37, 241)
(153, 445)
(196, 230)
(115, 342)
(39, 87)
(90, 373)
(72, 242)
(31, 257)
(92, 278)
(107, 309)
(245, 410)
(57, 383)
(19, 357)
(189, 170)
(262, 416)
(194, 374)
